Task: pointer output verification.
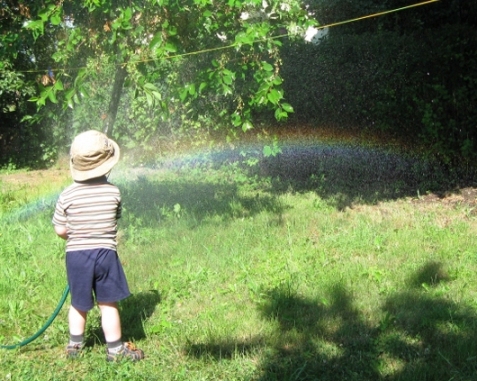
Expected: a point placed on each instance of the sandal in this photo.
(73, 350)
(128, 351)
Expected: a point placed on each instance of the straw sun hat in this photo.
(92, 155)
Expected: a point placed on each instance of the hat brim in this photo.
(100, 170)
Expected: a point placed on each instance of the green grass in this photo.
(241, 277)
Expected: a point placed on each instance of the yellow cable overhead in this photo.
(377, 14)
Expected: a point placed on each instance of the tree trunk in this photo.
(119, 79)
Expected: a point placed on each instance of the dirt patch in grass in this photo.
(465, 196)
(20, 180)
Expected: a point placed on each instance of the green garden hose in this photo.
(45, 326)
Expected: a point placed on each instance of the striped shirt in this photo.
(90, 212)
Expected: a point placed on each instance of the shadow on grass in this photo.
(319, 340)
(134, 311)
(224, 350)
(346, 174)
(431, 338)
(148, 201)
(422, 336)
(431, 274)
(341, 174)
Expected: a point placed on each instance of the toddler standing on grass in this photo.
(86, 215)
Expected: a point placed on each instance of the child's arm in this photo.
(60, 230)
(59, 220)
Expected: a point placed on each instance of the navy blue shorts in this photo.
(97, 272)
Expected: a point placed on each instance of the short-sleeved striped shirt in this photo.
(89, 210)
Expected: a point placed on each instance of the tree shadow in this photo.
(325, 339)
(422, 336)
(431, 274)
(292, 353)
(431, 337)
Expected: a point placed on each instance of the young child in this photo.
(86, 216)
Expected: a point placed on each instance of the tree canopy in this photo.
(165, 51)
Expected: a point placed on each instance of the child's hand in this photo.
(61, 231)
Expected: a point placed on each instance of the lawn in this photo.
(329, 262)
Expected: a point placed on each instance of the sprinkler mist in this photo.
(363, 171)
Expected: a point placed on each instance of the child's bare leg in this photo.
(77, 321)
(110, 322)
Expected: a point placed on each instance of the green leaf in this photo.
(150, 86)
(80, 76)
(226, 90)
(156, 41)
(83, 91)
(243, 38)
(287, 107)
(37, 27)
(172, 31)
(58, 56)
(227, 79)
(183, 94)
(41, 101)
(236, 119)
(150, 100)
(170, 47)
(43, 14)
(128, 13)
(266, 66)
(52, 96)
(246, 126)
(55, 19)
(280, 114)
(267, 151)
(58, 85)
(274, 96)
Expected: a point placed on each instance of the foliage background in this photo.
(409, 74)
